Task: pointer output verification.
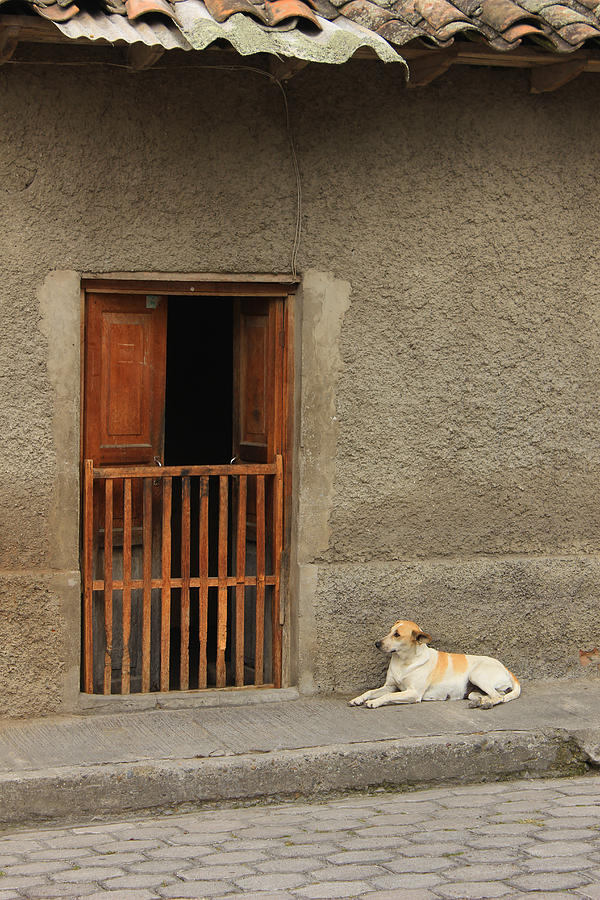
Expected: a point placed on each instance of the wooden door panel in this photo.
(125, 367)
(125, 380)
(256, 381)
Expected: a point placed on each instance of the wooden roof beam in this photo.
(424, 69)
(141, 56)
(551, 77)
(9, 38)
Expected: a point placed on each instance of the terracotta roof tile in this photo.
(501, 24)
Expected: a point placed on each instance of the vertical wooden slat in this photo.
(147, 579)
(222, 573)
(203, 575)
(126, 660)
(165, 617)
(277, 550)
(88, 575)
(108, 579)
(260, 580)
(240, 574)
(184, 665)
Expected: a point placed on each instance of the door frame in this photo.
(230, 286)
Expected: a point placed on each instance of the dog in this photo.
(417, 672)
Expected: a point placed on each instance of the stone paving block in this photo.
(482, 872)
(554, 848)
(145, 880)
(406, 895)
(319, 837)
(20, 882)
(130, 844)
(548, 881)
(410, 881)
(497, 855)
(214, 873)
(124, 895)
(79, 875)
(420, 864)
(16, 845)
(332, 889)
(543, 895)
(519, 827)
(288, 849)
(591, 890)
(74, 841)
(581, 799)
(194, 889)
(231, 859)
(241, 844)
(347, 873)
(548, 833)
(106, 828)
(258, 895)
(152, 866)
(345, 857)
(575, 811)
(557, 864)
(113, 859)
(474, 890)
(436, 848)
(67, 856)
(181, 851)
(48, 892)
(575, 821)
(35, 868)
(490, 842)
(293, 864)
(275, 881)
(391, 820)
(448, 836)
(366, 843)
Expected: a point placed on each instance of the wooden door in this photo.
(258, 339)
(125, 379)
(258, 382)
(124, 394)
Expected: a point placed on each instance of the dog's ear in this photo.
(421, 637)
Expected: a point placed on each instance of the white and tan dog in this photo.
(417, 672)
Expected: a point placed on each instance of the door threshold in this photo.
(91, 704)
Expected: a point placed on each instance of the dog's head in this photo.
(402, 636)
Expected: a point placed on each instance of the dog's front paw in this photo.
(373, 704)
(358, 701)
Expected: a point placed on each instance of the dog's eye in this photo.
(396, 634)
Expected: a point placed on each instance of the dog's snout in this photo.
(378, 644)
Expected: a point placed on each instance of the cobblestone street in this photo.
(533, 839)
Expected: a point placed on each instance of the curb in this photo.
(82, 792)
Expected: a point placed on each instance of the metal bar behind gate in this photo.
(181, 577)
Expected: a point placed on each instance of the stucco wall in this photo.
(447, 457)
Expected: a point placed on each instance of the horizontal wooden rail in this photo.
(156, 583)
(184, 471)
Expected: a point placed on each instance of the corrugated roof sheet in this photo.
(195, 29)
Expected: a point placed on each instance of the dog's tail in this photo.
(516, 689)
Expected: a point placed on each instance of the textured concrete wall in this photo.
(449, 469)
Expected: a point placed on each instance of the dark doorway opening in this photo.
(198, 431)
(199, 382)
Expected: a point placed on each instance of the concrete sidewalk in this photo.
(75, 767)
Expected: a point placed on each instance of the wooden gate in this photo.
(182, 572)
